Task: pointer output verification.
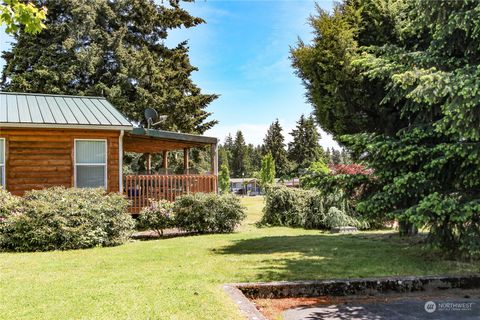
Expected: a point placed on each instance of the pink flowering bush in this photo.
(352, 168)
(157, 216)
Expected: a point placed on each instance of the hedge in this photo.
(63, 219)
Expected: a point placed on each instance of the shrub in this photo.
(204, 213)
(8, 203)
(63, 219)
(351, 182)
(307, 209)
(284, 207)
(157, 216)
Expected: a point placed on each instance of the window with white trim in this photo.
(2, 162)
(90, 163)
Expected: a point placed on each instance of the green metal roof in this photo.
(177, 136)
(57, 111)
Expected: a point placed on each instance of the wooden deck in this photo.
(139, 189)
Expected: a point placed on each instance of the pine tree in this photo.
(240, 161)
(228, 146)
(114, 49)
(345, 156)
(336, 157)
(328, 156)
(274, 143)
(398, 85)
(304, 149)
(255, 158)
(222, 156)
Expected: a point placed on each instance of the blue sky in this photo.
(242, 53)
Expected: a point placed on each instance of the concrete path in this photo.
(409, 308)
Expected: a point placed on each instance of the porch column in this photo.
(214, 159)
(185, 160)
(165, 161)
(214, 164)
(149, 163)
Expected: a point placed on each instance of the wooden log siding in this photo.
(140, 189)
(43, 158)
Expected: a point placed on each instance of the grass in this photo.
(180, 278)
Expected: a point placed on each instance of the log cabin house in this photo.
(80, 141)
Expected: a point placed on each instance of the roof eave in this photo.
(64, 126)
(169, 135)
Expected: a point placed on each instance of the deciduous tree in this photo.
(267, 173)
(224, 179)
(14, 14)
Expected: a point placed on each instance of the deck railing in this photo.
(139, 189)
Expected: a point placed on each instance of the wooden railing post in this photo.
(139, 189)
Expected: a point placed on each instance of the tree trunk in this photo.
(407, 228)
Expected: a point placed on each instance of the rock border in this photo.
(241, 293)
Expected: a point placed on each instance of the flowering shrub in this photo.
(157, 216)
(8, 203)
(352, 168)
(349, 181)
(64, 219)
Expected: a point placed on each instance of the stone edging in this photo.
(246, 306)
(242, 292)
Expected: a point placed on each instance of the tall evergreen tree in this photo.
(241, 165)
(407, 93)
(255, 158)
(345, 156)
(228, 146)
(274, 143)
(336, 157)
(304, 149)
(222, 156)
(328, 156)
(114, 49)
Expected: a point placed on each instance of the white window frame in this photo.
(75, 164)
(3, 165)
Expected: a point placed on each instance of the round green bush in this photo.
(64, 219)
(208, 213)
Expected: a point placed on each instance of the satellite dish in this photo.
(151, 115)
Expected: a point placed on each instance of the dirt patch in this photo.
(153, 235)
(273, 309)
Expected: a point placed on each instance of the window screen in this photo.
(90, 163)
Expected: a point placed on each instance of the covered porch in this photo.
(164, 183)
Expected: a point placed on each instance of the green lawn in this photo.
(180, 278)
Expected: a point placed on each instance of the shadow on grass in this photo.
(325, 256)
